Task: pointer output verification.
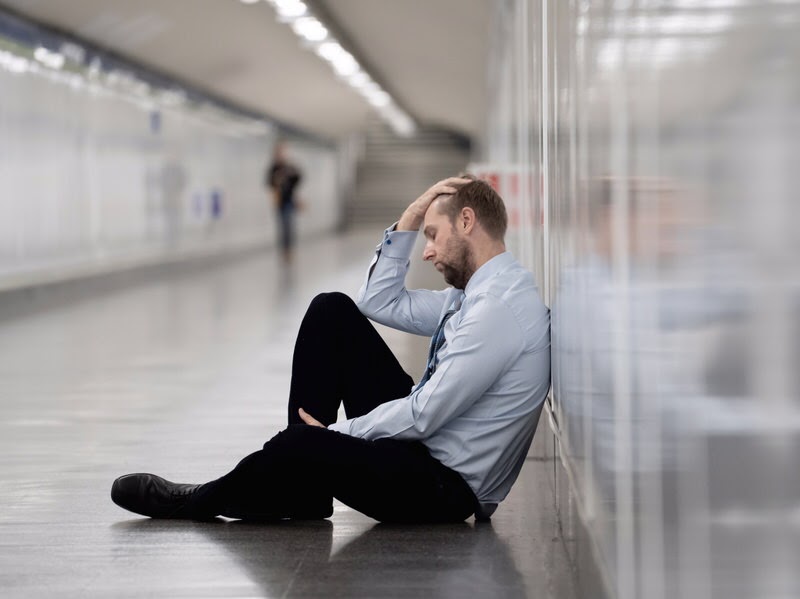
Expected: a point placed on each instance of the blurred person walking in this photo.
(281, 180)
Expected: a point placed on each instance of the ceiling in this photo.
(430, 54)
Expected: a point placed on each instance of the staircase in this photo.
(394, 170)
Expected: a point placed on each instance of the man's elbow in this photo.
(422, 427)
(372, 306)
(422, 430)
(366, 307)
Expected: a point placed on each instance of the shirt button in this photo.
(388, 242)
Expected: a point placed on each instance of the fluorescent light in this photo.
(398, 120)
(73, 51)
(706, 4)
(13, 63)
(248, 1)
(345, 65)
(359, 79)
(675, 24)
(342, 61)
(290, 9)
(54, 60)
(310, 29)
(329, 50)
(657, 52)
(370, 87)
(315, 35)
(379, 98)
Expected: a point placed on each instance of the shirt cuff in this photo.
(340, 427)
(398, 244)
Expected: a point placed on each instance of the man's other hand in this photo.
(414, 215)
(309, 419)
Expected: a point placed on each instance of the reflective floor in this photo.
(182, 374)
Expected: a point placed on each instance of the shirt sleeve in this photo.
(483, 345)
(384, 298)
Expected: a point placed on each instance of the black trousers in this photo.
(339, 358)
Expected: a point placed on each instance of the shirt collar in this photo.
(488, 270)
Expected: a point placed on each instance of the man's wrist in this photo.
(342, 426)
(398, 244)
(409, 222)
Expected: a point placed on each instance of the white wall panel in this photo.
(97, 176)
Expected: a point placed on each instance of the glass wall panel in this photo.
(658, 142)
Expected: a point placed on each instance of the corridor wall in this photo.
(103, 167)
(648, 150)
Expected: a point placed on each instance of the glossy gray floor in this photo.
(182, 375)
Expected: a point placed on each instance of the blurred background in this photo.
(648, 154)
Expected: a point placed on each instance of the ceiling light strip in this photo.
(316, 36)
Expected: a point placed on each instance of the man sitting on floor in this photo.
(439, 451)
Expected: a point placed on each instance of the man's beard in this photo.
(461, 267)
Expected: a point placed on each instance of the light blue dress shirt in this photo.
(479, 410)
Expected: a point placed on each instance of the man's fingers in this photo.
(309, 419)
(457, 180)
(450, 181)
(415, 213)
(451, 184)
(446, 187)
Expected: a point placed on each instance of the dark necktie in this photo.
(437, 341)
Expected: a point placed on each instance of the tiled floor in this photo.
(182, 375)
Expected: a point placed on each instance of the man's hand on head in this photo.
(309, 419)
(414, 215)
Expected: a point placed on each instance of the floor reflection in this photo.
(301, 558)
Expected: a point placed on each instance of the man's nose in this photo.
(427, 253)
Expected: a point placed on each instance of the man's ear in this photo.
(467, 220)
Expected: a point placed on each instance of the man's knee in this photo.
(333, 302)
(332, 299)
(300, 435)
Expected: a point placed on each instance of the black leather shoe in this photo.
(151, 495)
